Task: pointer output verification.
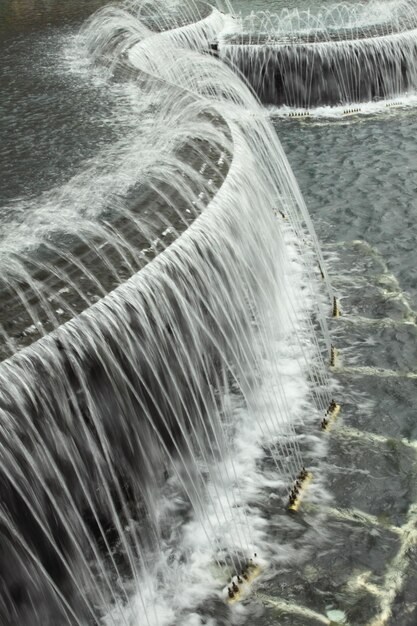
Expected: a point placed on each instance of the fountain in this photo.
(341, 54)
(137, 435)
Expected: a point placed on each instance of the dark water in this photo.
(54, 115)
(27, 16)
(359, 179)
(51, 120)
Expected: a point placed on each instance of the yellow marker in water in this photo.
(252, 571)
(333, 356)
(332, 413)
(303, 486)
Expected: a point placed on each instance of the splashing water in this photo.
(337, 21)
(339, 55)
(137, 438)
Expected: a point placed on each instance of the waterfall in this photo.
(138, 435)
(340, 55)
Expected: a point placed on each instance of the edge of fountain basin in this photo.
(370, 41)
(154, 265)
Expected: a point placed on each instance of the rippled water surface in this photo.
(274, 6)
(53, 119)
(26, 16)
(359, 179)
(56, 114)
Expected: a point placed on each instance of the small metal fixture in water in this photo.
(239, 586)
(279, 212)
(297, 492)
(333, 356)
(299, 114)
(214, 49)
(351, 111)
(331, 414)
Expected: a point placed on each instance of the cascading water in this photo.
(138, 437)
(341, 54)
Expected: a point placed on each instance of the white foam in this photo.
(191, 577)
(345, 111)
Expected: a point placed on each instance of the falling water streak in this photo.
(61, 479)
(267, 270)
(178, 72)
(243, 375)
(342, 54)
(19, 540)
(128, 335)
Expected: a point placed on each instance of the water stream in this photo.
(165, 305)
